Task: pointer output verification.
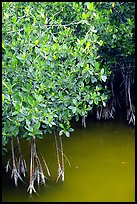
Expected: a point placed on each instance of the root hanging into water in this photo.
(15, 172)
(58, 161)
(84, 121)
(45, 163)
(99, 113)
(131, 118)
(108, 111)
(125, 79)
(60, 164)
(36, 170)
(105, 112)
(65, 158)
(8, 165)
(39, 171)
(131, 109)
(18, 164)
(112, 110)
(22, 167)
(31, 182)
(62, 157)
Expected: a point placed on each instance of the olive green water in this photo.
(102, 168)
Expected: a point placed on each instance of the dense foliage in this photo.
(115, 23)
(57, 60)
(49, 73)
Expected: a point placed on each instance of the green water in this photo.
(102, 158)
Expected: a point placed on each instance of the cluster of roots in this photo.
(17, 165)
(19, 168)
(105, 112)
(60, 164)
(36, 170)
(109, 111)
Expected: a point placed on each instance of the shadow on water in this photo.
(102, 158)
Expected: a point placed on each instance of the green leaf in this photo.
(61, 125)
(93, 79)
(28, 123)
(71, 129)
(97, 65)
(21, 119)
(113, 4)
(75, 101)
(102, 71)
(87, 45)
(17, 106)
(29, 86)
(15, 131)
(24, 89)
(74, 109)
(53, 123)
(38, 132)
(2, 44)
(70, 107)
(36, 42)
(30, 100)
(101, 42)
(60, 132)
(90, 6)
(96, 101)
(104, 78)
(3, 97)
(104, 103)
(19, 57)
(91, 102)
(39, 98)
(36, 126)
(5, 84)
(67, 134)
(30, 129)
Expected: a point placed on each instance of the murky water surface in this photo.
(102, 168)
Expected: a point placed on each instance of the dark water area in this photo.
(102, 159)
